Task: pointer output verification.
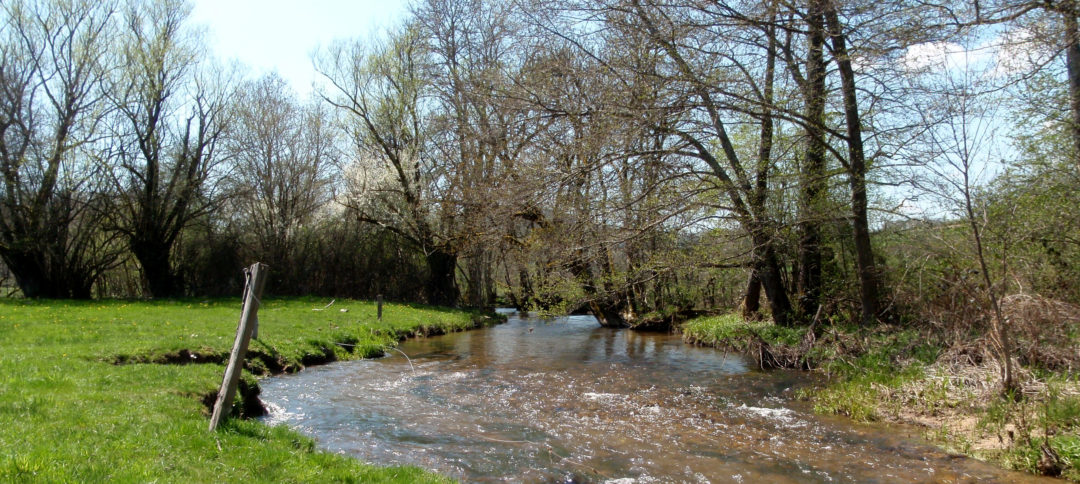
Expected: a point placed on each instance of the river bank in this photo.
(918, 376)
(96, 391)
(562, 399)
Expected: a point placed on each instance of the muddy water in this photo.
(565, 400)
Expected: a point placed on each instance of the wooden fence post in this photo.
(247, 288)
(252, 292)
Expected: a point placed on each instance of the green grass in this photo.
(70, 413)
(855, 359)
(867, 361)
(892, 373)
(732, 331)
(1052, 420)
(771, 345)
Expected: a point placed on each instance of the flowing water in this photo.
(565, 400)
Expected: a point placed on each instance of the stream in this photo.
(564, 400)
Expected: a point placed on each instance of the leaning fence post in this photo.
(252, 292)
(243, 299)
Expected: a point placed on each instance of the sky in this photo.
(280, 35)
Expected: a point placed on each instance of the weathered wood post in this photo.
(247, 288)
(378, 299)
(252, 292)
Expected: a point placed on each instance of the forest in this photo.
(640, 161)
(856, 163)
(635, 160)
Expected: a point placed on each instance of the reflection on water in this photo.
(565, 400)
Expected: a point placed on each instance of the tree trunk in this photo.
(610, 315)
(35, 279)
(767, 268)
(813, 172)
(79, 288)
(752, 298)
(29, 273)
(864, 254)
(1072, 62)
(478, 291)
(161, 282)
(528, 296)
(442, 287)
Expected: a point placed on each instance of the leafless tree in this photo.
(171, 109)
(1048, 26)
(55, 57)
(962, 152)
(282, 153)
(714, 72)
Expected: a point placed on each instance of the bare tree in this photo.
(721, 73)
(281, 152)
(476, 127)
(1034, 25)
(959, 143)
(430, 107)
(171, 108)
(54, 59)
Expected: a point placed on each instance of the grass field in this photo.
(93, 391)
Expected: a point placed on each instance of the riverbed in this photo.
(564, 400)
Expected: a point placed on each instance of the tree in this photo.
(856, 166)
(281, 152)
(721, 73)
(1036, 22)
(476, 127)
(959, 140)
(398, 182)
(430, 108)
(813, 178)
(171, 111)
(54, 60)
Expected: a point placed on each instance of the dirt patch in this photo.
(246, 403)
(323, 356)
(174, 357)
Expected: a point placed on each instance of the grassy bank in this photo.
(920, 377)
(114, 390)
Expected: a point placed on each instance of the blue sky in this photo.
(268, 35)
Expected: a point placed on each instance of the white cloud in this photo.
(1010, 52)
(941, 56)
(1019, 50)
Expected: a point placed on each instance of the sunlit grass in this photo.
(70, 414)
(731, 330)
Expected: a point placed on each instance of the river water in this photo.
(564, 400)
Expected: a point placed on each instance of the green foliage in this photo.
(857, 360)
(71, 414)
(557, 294)
(1068, 447)
(849, 398)
(1035, 205)
(1062, 412)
